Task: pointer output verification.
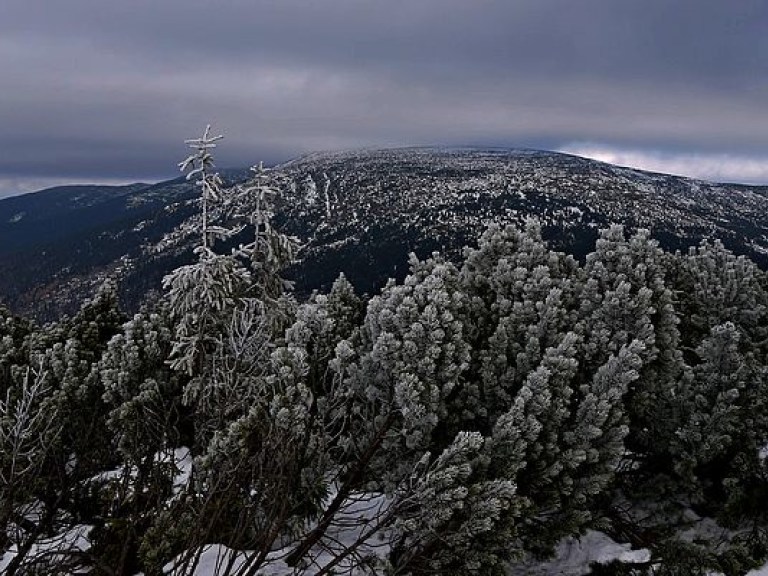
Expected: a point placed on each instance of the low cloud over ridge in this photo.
(95, 90)
(712, 167)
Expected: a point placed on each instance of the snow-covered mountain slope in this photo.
(362, 212)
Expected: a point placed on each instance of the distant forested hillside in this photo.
(360, 213)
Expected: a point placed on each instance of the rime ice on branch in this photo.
(200, 166)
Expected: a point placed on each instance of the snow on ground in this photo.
(574, 556)
(75, 539)
(359, 514)
(762, 571)
(213, 559)
(706, 530)
(181, 458)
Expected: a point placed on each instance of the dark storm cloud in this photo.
(98, 89)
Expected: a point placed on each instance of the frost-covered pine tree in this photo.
(201, 295)
(146, 420)
(627, 297)
(522, 299)
(265, 472)
(13, 332)
(712, 401)
(140, 389)
(270, 251)
(246, 387)
(385, 394)
(715, 286)
(200, 166)
(64, 414)
(414, 354)
(67, 351)
(449, 517)
(28, 437)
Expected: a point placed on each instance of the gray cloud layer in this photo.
(99, 89)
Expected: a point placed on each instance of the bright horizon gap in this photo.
(19, 185)
(713, 167)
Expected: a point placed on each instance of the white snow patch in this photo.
(181, 458)
(359, 512)
(74, 539)
(705, 530)
(574, 556)
(213, 559)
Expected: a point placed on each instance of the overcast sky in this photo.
(105, 91)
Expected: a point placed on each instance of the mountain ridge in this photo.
(362, 212)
